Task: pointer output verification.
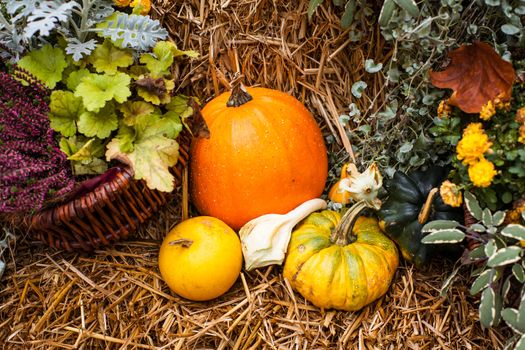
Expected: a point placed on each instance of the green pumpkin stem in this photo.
(342, 234)
(239, 96)
(425, 211)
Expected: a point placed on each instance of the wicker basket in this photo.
(108, 213)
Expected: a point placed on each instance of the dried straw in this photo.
(115, 298)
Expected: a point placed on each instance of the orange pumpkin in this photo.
(265, 154)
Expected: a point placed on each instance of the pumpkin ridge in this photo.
(361, 272)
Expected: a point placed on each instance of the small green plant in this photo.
(111, 106)
(499, 261)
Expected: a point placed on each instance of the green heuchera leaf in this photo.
(97, 89)
(132, 110)
(153, 153)
(99, 124)
(107, 58)
(75, 77)
(47, 64)
(84, 154)
(161, 60)
(179, 105)
(93, 148)
(65, 110)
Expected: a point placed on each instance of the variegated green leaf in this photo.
(498, 218)
(490, 248)
(444, 236)
(409, 6)
(487, 217)
(514, 231)
(483, 281)
(505, 256)
(478, 228)
(473, 205)
(477, 253)
(386, 12)
(510, 316)
(487, 308)
(520, 345)
(519, 273)
(439, 225)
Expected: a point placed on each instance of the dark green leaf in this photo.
(348, 15)
(314, 4)
(477, 253)
(487, 217)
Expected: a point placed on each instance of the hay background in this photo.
(115, 298)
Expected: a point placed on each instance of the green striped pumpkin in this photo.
(340, 272)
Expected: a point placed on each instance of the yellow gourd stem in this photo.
(183, 242)
(425, 211)
(239, 96)
(342, 233)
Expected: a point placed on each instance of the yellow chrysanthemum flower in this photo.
(473, 128)
(487, 111)
(121, 3)
(450, 194)
(146, 6)
(444, 109)
(521, 138)
(482, 173)
(472, 147)
(520, 115)
(501, 102)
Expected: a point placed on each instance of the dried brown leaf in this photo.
(477, 74)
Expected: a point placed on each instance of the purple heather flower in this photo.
(33, 169)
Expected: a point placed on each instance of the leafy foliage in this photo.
(102, 110)
(500, 255)
(418, 35)
(27, 24)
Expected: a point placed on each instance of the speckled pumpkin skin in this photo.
(266, 156)
(340, 277)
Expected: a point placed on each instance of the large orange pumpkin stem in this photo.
(342, 234)
(239, 96)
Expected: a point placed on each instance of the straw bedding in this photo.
(115, 297)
